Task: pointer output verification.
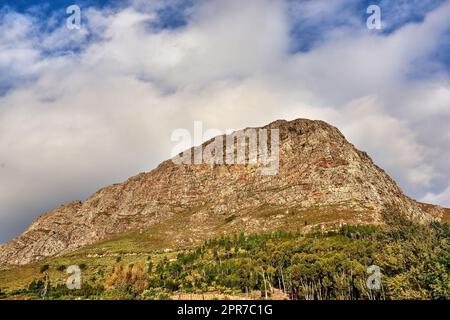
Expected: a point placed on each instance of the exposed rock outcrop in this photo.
(318, 169)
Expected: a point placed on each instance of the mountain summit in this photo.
(322, 181)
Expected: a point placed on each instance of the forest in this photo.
(413, 259)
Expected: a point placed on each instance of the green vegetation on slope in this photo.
(414, 260)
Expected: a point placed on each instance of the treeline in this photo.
(414, 261)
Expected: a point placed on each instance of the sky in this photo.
(84, 108)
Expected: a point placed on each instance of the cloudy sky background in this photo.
(81, 109)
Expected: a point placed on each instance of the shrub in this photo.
(156, 294)
(35, 286)
(132, 279)
(83, 266)
(44, 268)
(61, 268)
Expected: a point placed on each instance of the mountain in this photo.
(322, 181)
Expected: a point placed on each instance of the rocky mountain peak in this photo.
(321, 181)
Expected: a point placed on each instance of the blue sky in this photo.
(305, 32)
(81, 109)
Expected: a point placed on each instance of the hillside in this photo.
(323, 180)
(413, 259)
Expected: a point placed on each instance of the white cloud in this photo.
(392, 141)
(442, 198)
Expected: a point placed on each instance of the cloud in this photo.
(90, 108)
(443, 197)
(18, 59)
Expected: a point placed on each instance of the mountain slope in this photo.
(322, 180)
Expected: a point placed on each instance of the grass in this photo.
(224, 267)
(179, 232)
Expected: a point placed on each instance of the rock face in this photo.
(322, 178)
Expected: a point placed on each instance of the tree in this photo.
(132, 279)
